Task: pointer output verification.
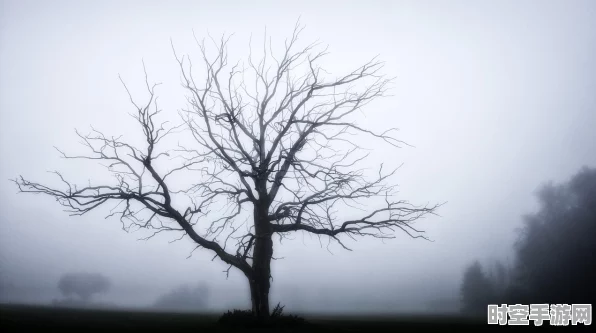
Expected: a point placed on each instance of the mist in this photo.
(494, 99)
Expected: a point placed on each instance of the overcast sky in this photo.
(496, 97)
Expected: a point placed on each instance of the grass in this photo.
(15, 318)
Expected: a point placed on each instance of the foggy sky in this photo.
(496, 97)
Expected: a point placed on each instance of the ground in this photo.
(29, 318)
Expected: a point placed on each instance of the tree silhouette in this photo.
(274, 139)
(83, 285)
(476, 290)
(555, 252)
(554, 255)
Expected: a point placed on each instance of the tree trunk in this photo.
(261, 265)
(260, 299)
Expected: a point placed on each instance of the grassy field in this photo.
(34, 318)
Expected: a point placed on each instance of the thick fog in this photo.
(494, 97)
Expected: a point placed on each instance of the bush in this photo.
(246, 319)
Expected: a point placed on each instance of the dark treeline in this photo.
(553, 256)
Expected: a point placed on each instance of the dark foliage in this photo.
(554, 255)
(247, 319)
(555, 260)
(477, 290)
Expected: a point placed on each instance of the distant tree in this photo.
(83, 285)
(267, 144)
(555, 255)
(499, 275)
(476, 290)
(184, 298)
(554, 258)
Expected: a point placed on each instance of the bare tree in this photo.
(273, 138)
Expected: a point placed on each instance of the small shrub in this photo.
(246, 319)
(277, 311)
